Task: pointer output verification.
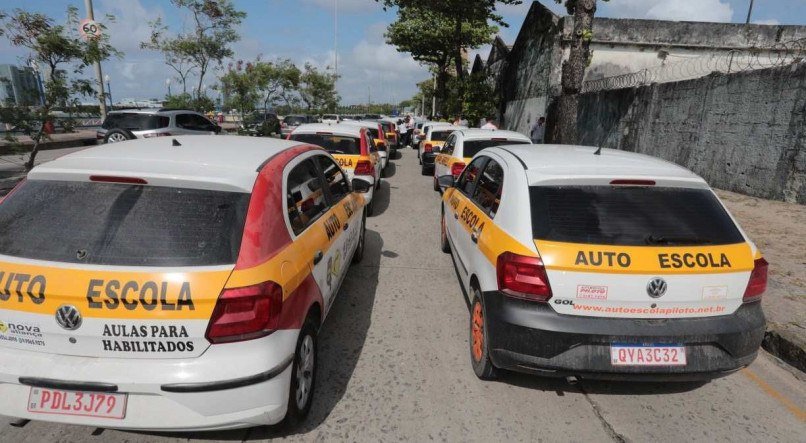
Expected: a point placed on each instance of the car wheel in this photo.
(443, 242)
(371, 207)
(479, 350)
(303, 374)
(359, 250)
(424, 170)
(118, 135)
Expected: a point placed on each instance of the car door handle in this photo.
(318, 257)
(346, 225)
(456, 215)
(474, 236)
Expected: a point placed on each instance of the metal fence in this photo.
(782, 54)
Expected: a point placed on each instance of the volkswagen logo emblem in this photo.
(656, 287)
(68, 317)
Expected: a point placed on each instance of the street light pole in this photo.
(434, 102)
(98, 73)
(109, 90)
(749, 12)
(336, 36)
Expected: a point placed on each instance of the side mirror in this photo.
(361, 186)
(446, 181)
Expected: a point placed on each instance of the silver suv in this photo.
(146, 123)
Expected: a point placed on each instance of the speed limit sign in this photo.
(89, 29)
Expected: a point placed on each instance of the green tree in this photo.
(240, 87)
(277, 82)
(573, 69)
(317, 90)
(64, 55)
(207, 43)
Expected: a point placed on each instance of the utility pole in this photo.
(749, 12)
(336, 37)
(434, 100)
(98, 73)
(369, 98)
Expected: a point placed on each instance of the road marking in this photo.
(794, 409)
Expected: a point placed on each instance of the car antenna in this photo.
(176, 143)
(598, 151)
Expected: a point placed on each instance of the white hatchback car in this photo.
(173, 284)
(463, 144)
(610, 265)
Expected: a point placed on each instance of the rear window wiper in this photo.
(663, 240)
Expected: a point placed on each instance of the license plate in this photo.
(647, 355)
(87, 404)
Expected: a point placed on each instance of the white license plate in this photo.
(87, 404)
(647, 355)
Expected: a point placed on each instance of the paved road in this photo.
(395, 366)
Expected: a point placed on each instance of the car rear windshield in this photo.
(126, 225)
(335, 144)
(630, 216)
(135, 122)
(295, 120)
(440, 136)
(473, 147)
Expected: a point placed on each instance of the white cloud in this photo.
(346, 6)
(770, 21)
(679, 10)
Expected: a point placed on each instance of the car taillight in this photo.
(428, 147)
(364, 167)
(758, 281)
(523, 277)
(457, 168)
(246, 313)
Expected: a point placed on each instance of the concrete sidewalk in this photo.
(779, 230)
(81, 137)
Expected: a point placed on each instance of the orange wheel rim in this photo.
(477, 331)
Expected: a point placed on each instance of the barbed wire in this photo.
(781, 54)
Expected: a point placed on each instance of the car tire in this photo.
(371, 207)
(436, 185)
(479, 349)
(358, 255)
(118, 135)
(444, 244)
(424, 170)
(303, 374)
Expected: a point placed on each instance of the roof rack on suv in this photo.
(174, 109)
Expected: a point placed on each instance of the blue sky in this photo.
(303, 30)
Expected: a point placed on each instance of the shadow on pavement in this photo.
(390, 171)
(382, 198)
(341, 341)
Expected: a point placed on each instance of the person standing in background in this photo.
(489, 125)
(538, 131)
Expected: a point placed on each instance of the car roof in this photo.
(361, 124)
(486, 134)
(336, 129)
(544, 163)
(215, 162)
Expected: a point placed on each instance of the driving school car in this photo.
(600, 264)
(377, 135)
(353, 148)
(462, 145)
(172, 285)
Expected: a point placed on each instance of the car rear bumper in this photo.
(230, 386)
(533, 338)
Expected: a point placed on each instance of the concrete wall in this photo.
(743, 132)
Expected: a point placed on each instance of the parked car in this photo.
(261, 124)
(146, 123)
(589, 263)
(331, 118)
(462, 145)
(291, 122)
(190, 290)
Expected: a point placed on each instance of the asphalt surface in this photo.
(394, 365)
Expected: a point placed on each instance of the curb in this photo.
(784, 342)
(58, 144)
